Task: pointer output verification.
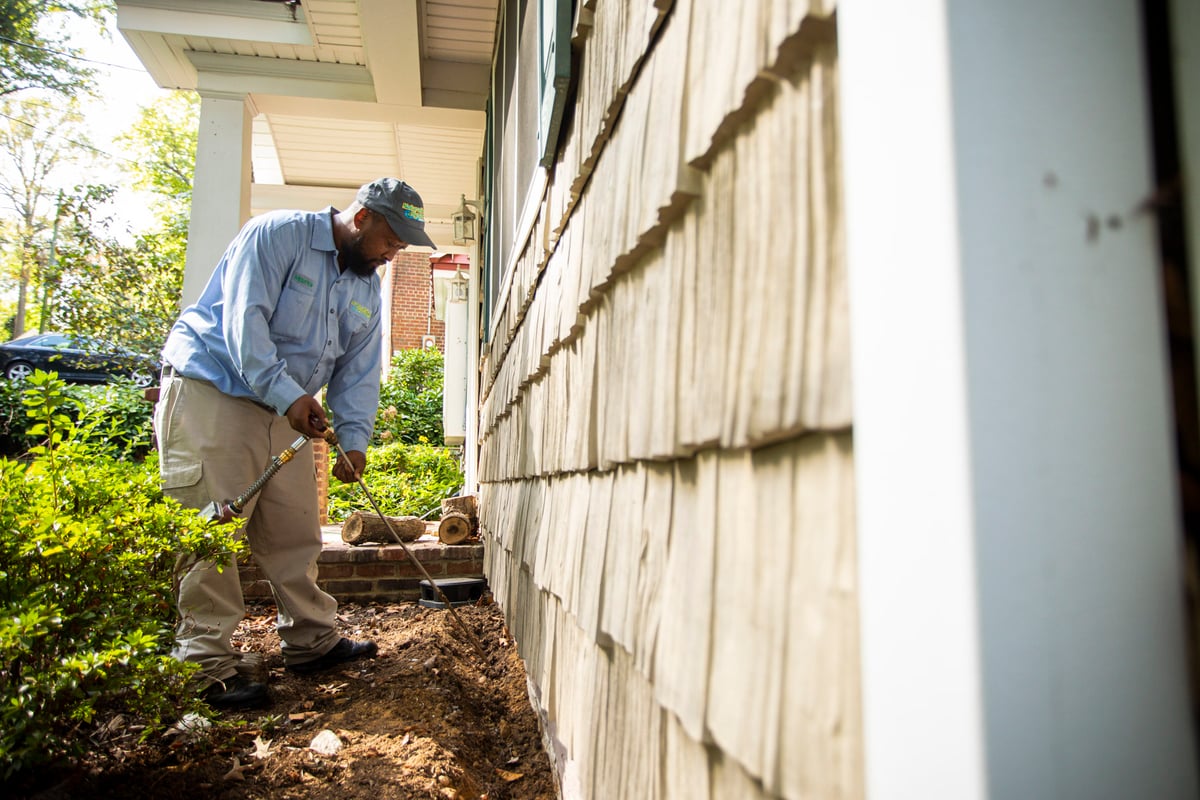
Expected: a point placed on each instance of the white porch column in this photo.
(1019, 542)
(471, 444)
(220, 189)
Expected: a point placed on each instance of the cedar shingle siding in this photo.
(666, 436)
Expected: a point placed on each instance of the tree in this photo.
(36, 142)
(32, 58)
(129, 293)
(125, 293)
(162, 150)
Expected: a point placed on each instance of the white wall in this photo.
(1019, 536)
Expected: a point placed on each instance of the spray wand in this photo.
(224, 512)
(332, 439)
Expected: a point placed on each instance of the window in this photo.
(530, 77)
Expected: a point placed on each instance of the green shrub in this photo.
(404, 479)
(114, 416)
(117, 418)
(410, 400)
(87, 552)
(14, 423)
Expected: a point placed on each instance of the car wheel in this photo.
(18, 370)
(141, 378)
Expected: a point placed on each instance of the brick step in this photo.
(377, 572)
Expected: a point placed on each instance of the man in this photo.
(293, 306)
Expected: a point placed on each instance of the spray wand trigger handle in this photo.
(326, 432)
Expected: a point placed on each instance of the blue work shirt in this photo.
(279, 320)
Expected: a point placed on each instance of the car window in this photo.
(52, 340)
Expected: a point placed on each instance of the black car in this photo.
(80, 359)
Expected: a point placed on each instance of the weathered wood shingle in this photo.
(666, 430)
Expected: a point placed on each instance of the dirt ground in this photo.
(425, 719)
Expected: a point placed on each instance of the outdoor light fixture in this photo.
(458, 287)
(464, 222)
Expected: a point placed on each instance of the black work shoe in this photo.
(345, 650)
(236, 692)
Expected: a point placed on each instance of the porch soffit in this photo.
(346, 91)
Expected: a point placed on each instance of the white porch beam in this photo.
(362, 111)
(218, 19)
(219, 72)
(1185, 52)
(393, 50)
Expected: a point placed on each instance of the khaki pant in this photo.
(212, 447)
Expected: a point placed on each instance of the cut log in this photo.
(466, 504)
(454, 528)
(369, 528)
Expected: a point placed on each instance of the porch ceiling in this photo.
(344, 90)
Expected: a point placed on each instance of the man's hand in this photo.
(306, 416)
(350, 468)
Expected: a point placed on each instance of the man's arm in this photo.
(256, 268)
(353, 396)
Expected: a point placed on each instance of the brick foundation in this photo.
(377, 573)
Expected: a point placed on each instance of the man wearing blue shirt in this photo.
(292, 307)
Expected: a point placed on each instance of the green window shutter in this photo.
(554, 26)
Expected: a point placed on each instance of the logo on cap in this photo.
(413, 212)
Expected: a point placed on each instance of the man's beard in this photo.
(352, 258)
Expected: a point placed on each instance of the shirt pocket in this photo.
(292, 319)
(354, 320)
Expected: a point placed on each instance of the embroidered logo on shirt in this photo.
(413, 212)
(360, 308)
(303, 281)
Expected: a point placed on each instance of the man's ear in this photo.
(361, 216)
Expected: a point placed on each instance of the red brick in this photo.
(412, 303)
(342, 588)
(375, 570)
(336, 570)
(409, 569)
(395, 585)
(462, 551)
(472, 567)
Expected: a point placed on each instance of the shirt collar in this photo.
(322, 232)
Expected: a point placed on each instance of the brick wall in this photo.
(412, 303)
(321, 464)
(376, 572)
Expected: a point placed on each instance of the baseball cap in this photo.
(400, 205)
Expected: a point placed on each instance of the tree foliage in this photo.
(35, 53)
(37, 142)
(404, 479)
(122, 292)
(129, 292)
(76, 251)
(162, 150)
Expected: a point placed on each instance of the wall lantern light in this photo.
(465, 221)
